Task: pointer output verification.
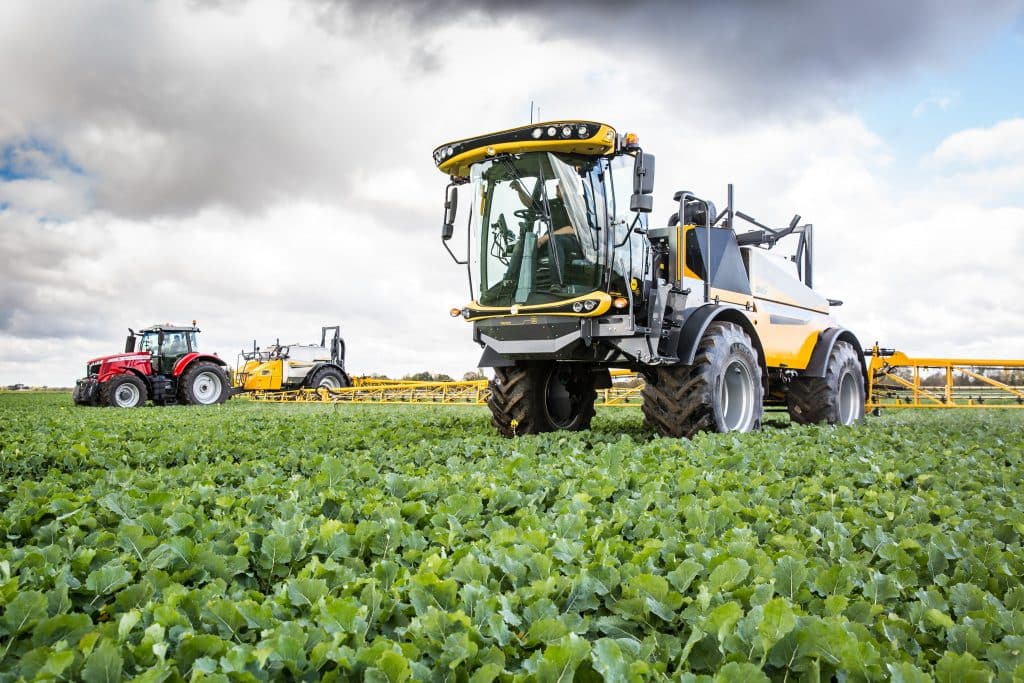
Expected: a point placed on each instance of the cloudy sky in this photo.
(264, 166)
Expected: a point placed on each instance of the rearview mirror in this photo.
(643, 183)
(451, 204)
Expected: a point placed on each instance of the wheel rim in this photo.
(127, 395)
(849, 398)
(558, 400)
(737, 397)
(329, 382)
(206, 387)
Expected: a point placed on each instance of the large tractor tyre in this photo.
(720, 392)
(203, 383)
(123, 391)
(328, 378)
(537, 398)
(836, 398)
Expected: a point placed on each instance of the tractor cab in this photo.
(166, 344)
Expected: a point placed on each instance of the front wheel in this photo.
(720, 392)
(836, 398)
(203, 384)
(541, 397)
(123, 391)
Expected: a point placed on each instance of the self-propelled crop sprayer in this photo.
(569, 280)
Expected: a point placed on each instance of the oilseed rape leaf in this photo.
(728, 575)
(104, 664)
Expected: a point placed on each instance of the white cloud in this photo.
(1001, 142)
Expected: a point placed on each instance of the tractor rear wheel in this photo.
(720, 392)
(836, 398)
(123, 391)
(541, 397)
(203, 384)
(328, 378)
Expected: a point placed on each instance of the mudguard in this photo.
(188, 359)
(697, 324)
(818, 365)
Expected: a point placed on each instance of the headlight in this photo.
(590, 304)
(578, 306)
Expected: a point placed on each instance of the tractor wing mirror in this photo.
(451, 204)
(643, 183)
(129, 343)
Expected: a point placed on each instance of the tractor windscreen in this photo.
(537, 228)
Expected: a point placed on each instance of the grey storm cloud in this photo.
(762, 54)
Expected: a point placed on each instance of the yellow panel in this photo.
(263, 376)
(788, 346)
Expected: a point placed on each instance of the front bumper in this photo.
(86, 392)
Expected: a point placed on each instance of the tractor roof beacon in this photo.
(568, 279)
(161, 363)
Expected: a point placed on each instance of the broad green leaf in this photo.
(723, 618)
(108, 579)
(24, 611)
(961, 668)
(683, 575)
(728, 575)
(104, 664)
(789, 574)
(561, 659)
(778, 620)
(306, 592)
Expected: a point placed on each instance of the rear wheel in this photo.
(541, 397)
(203, 384)
(836, 398)
(328, 378)
(123, 391)
(720, 392)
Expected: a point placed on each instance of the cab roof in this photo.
(589, 138)
(168, 327)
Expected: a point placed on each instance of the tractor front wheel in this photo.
(541, 397)
(720, 392)
(836, 398)
(203, 384)
(123, 391)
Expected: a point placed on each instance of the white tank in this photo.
(771, 280)
(300, 359)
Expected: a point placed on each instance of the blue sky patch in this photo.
(33, 158)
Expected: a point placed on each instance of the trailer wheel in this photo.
(720, 392)
(203, 384)
(545, 397)
(328, 378)
(836, 398)
(123, 391)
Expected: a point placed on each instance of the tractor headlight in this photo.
(577, 306)
(566, 131)
(582, 131)
(537, 132)
(552, 131)
(590, 304)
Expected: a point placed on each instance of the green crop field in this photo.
(308, 542)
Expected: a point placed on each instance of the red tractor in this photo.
(164, 367)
